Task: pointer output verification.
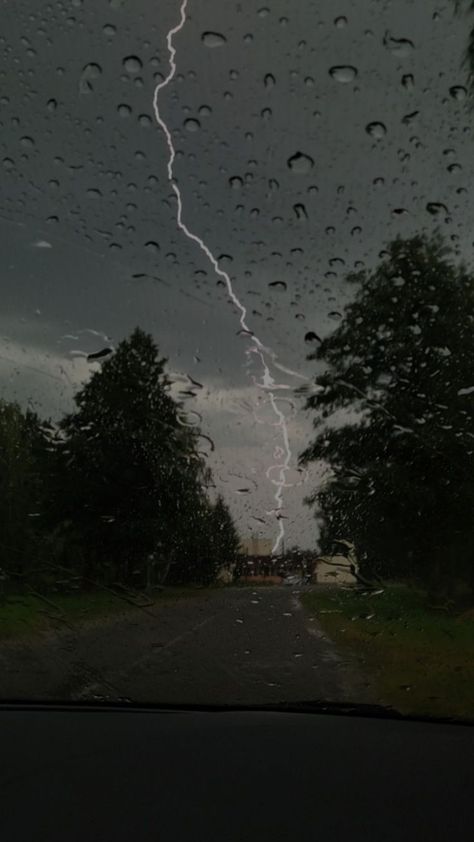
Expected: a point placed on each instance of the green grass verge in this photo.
(26, 614)
(419, 660)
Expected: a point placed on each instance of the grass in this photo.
(30, 614)
(420, 660)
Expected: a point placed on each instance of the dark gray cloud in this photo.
(90, 246)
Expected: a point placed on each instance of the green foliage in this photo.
(131, 489)
(23, 474)
(116, 494)
(394, 417)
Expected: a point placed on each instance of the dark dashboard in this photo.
(95, 774)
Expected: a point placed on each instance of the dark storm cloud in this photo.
(90, 243)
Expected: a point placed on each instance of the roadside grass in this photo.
(420, 659)
(30, 614)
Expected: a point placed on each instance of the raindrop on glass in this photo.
(124, 110)
(458, 92)
(300, 211)
(213, 39)
(300, 164)
(192, 125)
(89, 74)
(376, 130)
(343, 73)
(152, 247)
(132, 64)
(400, 47)
(436, 208)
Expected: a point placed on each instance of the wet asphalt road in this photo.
(237, 645)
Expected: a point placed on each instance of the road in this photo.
(235, 645)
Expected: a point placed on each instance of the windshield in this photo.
(237, 354)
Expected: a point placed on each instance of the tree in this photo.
(23, 460)
(212, 541)
(394, 417)
(130, 483)
(224, 537)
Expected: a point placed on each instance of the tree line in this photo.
(116, 493)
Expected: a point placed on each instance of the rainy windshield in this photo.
(236, 353)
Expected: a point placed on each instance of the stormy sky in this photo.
(307, 135)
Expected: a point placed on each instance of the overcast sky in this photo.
(90, 245)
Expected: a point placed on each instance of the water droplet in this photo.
(281, 285)
(236, 182)
(408, 80)
(377, 130)
(436, 208)
(340, 22)
(132, 64)
(109, 30)
(89, 74)
(269, 80)
(263, 12)
(311, 336)
(266, 113)
(192, 125)
(205, 110)
(343, 73)
(300, 164)
(152, 247)
(124, 110)
(189, 419)
(145, 120)
(454, 168)
(213, 39)
(52, 104)
(458, 92)
(93, 193)
(27, 142)
(400, 47)
(300, 211)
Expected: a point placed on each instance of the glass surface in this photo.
(236, 353)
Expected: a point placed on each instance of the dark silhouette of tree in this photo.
(224, 536)
(23, 473)
(131, 487)
(393, 418)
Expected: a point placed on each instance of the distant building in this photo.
(255, 546)
(333, 570)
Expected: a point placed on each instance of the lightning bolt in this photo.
(258, 348)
